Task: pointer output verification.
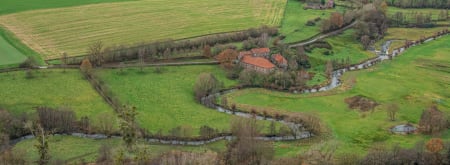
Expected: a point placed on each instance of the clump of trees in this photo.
(422, 154)
(60, 120)
(205, 85)
(416, 19)
(372, 23)
(246, 149)
(335, 21)
(442, 4)
(433, 121)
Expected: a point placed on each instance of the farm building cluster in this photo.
(260, 60)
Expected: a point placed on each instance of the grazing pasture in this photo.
(51, 88)
(7, 7)
(414, 81)
(74, 149)
(9, 54)
(294, 25)
(72, 29)
(166, 100)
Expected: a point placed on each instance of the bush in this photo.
(59, 120)
(206, 84)
(310, 23)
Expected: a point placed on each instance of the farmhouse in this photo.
(261, 52)
(280, 61)
(259, 59)
(259, 64)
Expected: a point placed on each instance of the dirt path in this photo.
(322, 36)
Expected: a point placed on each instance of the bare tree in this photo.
(141, 55)
(64, 61)
(95, 52)
(41, 142)
(432, 121)
(329, 69)
(246, 149)
(392, 111)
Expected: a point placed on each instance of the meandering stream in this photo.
(299, 132)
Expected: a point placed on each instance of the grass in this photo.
(343, 46)
(73, 149)
(9, 54)
(72, 29)
(13, 51)
(294, 26)
(165, 101)
(8, 7)
(51, 88)
(409, 13)
(413, 81)
(402, 34)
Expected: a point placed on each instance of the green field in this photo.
(13, 51)
(343, 46)
(165, 101)
(294, 26)
(51, 88)
(7, 7)
(71, 30)
(414, 80)
(73, 149)
(410, 12)
(9, 54)
(401, 34)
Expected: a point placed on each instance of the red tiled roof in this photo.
(260, 50)
(279, 58)
(244, 53)
(258, 61)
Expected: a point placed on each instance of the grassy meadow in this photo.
(399, 35)
(51, 88)
(166, 100)
(9, 54)
(74, 150)
(414, 81)
(8, 7)
(72, 29)
(343, 46)
(294, 26)
(13, 51)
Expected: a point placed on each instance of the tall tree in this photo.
(207, 51)
(128, 125)
(95, 52)
(64, 61)
(245, 149)
(86, 66)
(433, 121)
(337, 20)
(392, 111)
(206, 84)
(227, 58)
(141, 55)
(329, 68)
(41, 142)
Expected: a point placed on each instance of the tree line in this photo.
(441, 4)
(98, 53)
(417, 19)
